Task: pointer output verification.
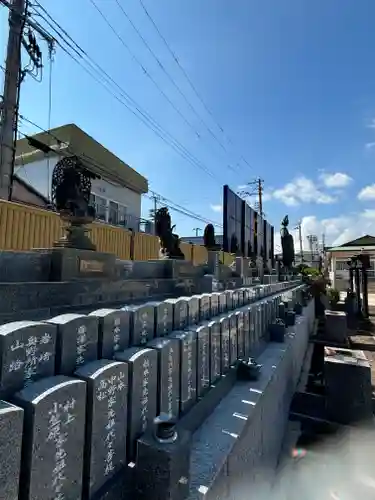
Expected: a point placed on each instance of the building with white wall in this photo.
(116, 195)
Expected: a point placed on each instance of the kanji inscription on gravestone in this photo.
(215, 350)
(180, 313)
(77, 341)
(240, 333)
(11, 428)
(188, 367)
(233, 338)
(106, 422)
(163, 318)
(142, 321)
(27, 353)
(168, 350)
(225, 346)
(203, 359)
(53, 443)
(114, 331)
(142, 371)
(215, 303)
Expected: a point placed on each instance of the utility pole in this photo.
(197, 231)
(10, 97)
(299, 227)
(153, 211)
(254, 188)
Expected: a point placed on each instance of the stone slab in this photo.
(336, 326)
(69, 264)
(114, 331)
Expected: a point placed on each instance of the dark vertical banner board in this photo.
(232, 219)
(265, 239)
(260, 231)
(243, 229)
(273, 246)
(252, 229)
(255, 234)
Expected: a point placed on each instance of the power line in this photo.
(126, 100)
(101, 167)
(170, 78)
(184, 72)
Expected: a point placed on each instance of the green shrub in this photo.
(333, 295)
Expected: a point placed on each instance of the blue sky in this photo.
(291, 82)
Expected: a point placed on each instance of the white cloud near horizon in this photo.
(302, 190)
(335, 180)
(367, 193)
(216, 208)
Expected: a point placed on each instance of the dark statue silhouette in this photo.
(287, 244)
(209, 238)
(71, 187)
(169, 242)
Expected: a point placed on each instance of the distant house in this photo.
(337, 258)
(116, 195)
(199, 240)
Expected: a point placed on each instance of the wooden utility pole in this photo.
(197, 231)
(299, 227)
(254, 188)
(10, 97)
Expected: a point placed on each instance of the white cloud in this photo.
(372, 123)
(336, 230)
(367, 193)
(302, 190)
(369, 145)
(216, 208)
(336, 180)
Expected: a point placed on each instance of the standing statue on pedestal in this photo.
(209, 238)
(287, 244)
(71, 187)
(169, 242)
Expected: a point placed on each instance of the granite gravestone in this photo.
(246, 331)
(204, 306)
(11, 428)
(193, 309)
(215, 304)
(215, 350)
(203, 359)
(229, 301)
(77, 341)
(240, 334)
(225, 344)
(114, 331)
(142, 370)
(253, 326)
(240, 297)
(163, 318)
(235, 299)
(53, 439)
(168, 397)
(180, 313)
(222, 302)
(233, 338)
(27, 353)
(188, 369)
(142, 323)
(106, 422)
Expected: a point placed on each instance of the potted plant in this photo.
(333, 296)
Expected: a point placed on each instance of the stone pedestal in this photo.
(336, 326)
(69, 264)
(213, 263)
(240, 267)
(348, 387)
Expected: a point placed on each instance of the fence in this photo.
(23, 227)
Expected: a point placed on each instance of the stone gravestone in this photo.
(193, 309)
(215, 350)
(230, 301)
(114, 331)
(253, 327)
(106, 422)
(225, 344)
(240, 297)
(27, 353)
(142, 369)
(233, 338)
(168, 398)
(203, 359)
(11, 428)
(188, 368)
(54, 438)
(142, 321)
(163, 318)
(246, 331)
(180, 313)
(215, 304)
(77, 341)
(240, 333)
(222, 302)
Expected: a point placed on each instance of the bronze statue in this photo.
(209, 238)
(169, 242)
(287, 244)
(71, 187)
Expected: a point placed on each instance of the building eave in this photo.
(71, 140)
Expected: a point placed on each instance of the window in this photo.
(113, 213)
(100, 205)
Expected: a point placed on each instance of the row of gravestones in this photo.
(76, 432)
